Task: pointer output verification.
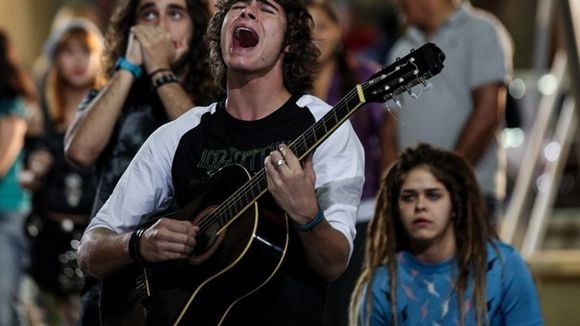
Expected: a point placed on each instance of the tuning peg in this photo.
(410, 92)
(427, 86)
(397, 102)
(393, 99)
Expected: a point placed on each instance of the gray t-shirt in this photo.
(478, 51)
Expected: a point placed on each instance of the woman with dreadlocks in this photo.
(432, 256)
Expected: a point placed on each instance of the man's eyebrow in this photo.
(145, 6)
(269, 3)
(176, 6)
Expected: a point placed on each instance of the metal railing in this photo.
(566, 70)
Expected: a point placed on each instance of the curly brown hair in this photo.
(300, 60)
(386, 235)
(193, 65)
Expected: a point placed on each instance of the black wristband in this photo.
(169, 78)
(158, 70)
(134, 241)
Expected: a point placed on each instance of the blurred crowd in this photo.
(46, 201)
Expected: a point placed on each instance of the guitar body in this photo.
(204, 290)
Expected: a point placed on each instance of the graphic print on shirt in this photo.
(215, 159)
(227, 140)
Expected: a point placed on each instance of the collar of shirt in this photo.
(453, 21)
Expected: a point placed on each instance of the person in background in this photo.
(339, 73)
(17, 95)
(156, 63)
(370, 29)
(433, 257)
(464, 110)
(63, 194)
(67, 11)
(263, 55)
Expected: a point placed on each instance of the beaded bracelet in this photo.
(312, 223)
(169, 78)
(134, 241)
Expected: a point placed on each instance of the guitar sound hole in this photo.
(208, 241)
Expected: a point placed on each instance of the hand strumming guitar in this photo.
(168, 239)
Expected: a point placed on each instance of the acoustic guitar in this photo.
(240, 226)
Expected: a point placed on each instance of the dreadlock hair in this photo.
(192, 66)
(300, 59)
(386, 235)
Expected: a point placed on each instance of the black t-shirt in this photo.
(142, 113)
(66, 188)
(226, 140)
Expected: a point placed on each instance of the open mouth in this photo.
(245, 38)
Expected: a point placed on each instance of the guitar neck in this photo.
(413, 69)
(323, 128)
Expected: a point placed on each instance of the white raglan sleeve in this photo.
(146, 185)
(339, 168)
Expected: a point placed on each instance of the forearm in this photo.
(9, 155)
(174, 99)
(35, 121)
(92, 129)
(326, 250)
(103, 252)
(483, 123)
(474, 139)
(12, 131)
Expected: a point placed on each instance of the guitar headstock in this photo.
(414, 68)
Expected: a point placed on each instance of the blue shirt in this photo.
(426, 296)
